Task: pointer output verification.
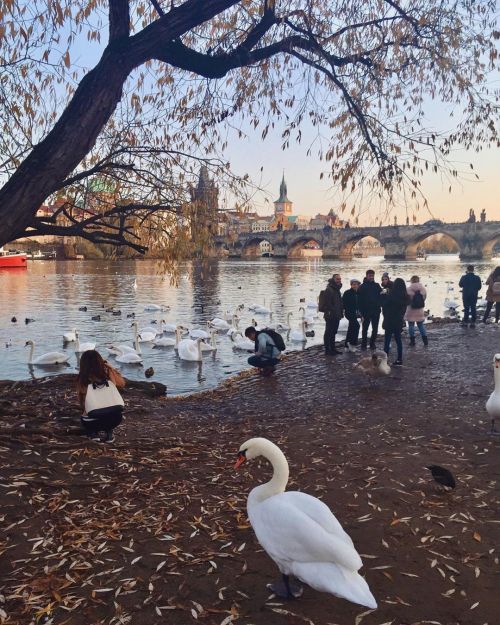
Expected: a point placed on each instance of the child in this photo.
(101, 403)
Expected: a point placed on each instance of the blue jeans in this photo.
(399, 343)
(420, 326)
(261, 362)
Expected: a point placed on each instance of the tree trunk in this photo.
(73, 136)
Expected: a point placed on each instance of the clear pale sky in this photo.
(311, 195)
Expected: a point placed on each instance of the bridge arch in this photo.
(298, 246)
(252, 246)
(413, 247)
(489, 245)
(349, 246)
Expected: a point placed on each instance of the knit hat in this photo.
(385, 274)
(353, 280)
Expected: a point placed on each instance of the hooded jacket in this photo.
(334, 308)
(415, 314)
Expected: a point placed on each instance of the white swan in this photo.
(50, 358)
(164, 341)
(198, 333)
(153, 307)
(262, 310)
(209, 347)
(300, 533)
(242, 342)
(299, 335)
(374, 366)
(188, 349)
(284, 327)
(309, 319)
(83, 347)
(145, 337)
(131, 356)
(70, 337)
(493, 403)
(451, 304)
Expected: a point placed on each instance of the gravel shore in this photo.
(153, 528)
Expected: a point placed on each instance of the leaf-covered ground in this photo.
(153, 529)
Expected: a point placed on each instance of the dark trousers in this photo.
(331, 327)
(489, 306)
(105, 423)
(352, 331)
(372, 319)
(470, 302)
(399, 342)
(261, 362)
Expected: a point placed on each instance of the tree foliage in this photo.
(137, 92)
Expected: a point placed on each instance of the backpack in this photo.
(102, 399)
(417, 301)
(495, 288)
(276, 337)
(322, 301)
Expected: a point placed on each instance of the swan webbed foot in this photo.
(286, 588)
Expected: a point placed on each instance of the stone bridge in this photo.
(475, 241)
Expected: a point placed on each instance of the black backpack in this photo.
(276, 337)
(322, 301)
(417, 300)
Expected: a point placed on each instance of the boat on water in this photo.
(12, 258)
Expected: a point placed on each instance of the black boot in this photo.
(412, 341)
(425, 340)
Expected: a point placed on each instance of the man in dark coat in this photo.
(333, 313)
(369, 307)
(470, 285)
(351, 312)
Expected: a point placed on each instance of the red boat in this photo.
(12, 259)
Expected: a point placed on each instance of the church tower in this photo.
(283, 206)
(205, 202)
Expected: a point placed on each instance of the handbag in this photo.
(102, 399)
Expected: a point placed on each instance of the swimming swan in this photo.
(83, 347)
(187, 349)
(300, 533)
(493, 403)
(70, 337)
(50, 358)
(299, 335)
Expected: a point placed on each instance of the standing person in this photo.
(351, 312)
(267, 353)
(493, 295)
(470, 285)
(415, 312)
(332, 307)
(394, 303)
(369, 307)
(101, 403)
(386, 282)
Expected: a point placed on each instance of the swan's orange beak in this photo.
(241, 459)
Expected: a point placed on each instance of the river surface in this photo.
(52, 292)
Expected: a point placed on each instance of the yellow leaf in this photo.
(477, 537)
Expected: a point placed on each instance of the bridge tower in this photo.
(282, 206)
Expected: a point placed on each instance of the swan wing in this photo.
(289, 534)
(51, 358)
(335, 579)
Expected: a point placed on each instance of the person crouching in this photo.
(266, 355)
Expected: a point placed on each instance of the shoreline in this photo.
(154, 527)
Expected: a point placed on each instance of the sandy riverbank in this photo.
(153, 529)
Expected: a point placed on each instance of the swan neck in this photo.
(277, 484)
(199, 348)
(497, 379)
(32, 349)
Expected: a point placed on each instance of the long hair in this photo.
(496, 273)
(92, 369)
(399, 292)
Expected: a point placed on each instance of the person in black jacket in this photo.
(351, 312)
(333, 313)
(369, 307)
(394, 303)
(470, 285)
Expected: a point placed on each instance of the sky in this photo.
(311, 195)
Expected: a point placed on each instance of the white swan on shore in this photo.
(50, 358)
(300, 533)
(83, 347)
(493, 403)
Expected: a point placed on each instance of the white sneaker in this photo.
(351, 348)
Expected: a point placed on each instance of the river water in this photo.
(51, 293)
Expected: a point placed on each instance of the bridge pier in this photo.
(394, 250)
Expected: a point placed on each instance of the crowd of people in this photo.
(363, 303)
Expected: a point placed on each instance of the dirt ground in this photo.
(153, 529)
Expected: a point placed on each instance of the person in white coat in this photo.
(415, 312)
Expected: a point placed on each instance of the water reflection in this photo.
(52, 293)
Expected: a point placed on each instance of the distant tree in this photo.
(173, 76)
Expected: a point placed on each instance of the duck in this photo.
(70, 337)
(374, 366)
(50, 358)
(83, 347)
(299, 335)
(96, 318)
(149, 372)
(442, 476)
(83, 309)
(493, 403)
(301, 534)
